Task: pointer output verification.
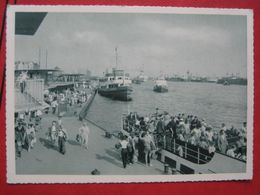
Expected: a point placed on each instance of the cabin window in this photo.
(112, 86)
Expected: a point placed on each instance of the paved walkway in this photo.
(101, 154)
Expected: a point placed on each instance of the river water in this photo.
(215, 103)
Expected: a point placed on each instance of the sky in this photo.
(205, 45)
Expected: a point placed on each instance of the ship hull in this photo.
(120, 93)
(160, 89)
(137, 81)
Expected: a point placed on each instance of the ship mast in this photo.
(116, 57)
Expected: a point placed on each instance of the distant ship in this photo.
(226, 83)
(136, 80)
(140, 78)
(232, 80)
(160, 85)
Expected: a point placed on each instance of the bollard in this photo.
(166, 168)
(108, 135)
(174, 171)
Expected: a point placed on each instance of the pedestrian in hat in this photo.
(62, 138)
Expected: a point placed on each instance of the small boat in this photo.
(160, 86)
(226, 83)
(142, 77)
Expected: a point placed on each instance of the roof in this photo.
(27, 23)
(36, 70)
(71, 74)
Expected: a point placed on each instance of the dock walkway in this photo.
(101, 154)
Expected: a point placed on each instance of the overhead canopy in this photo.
(27, 23)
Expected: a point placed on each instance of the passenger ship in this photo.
(117, 86)
(194, 159)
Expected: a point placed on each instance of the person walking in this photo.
(52, 134)
(30, 138)
(19, 138)
(84, 134)
(124, 144)
(62, 138)
(54, 105)
(22, 81)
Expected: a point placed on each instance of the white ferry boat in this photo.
(160, 85)
(117, 86)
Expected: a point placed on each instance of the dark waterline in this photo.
(216, 103)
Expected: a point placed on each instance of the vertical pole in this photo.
(185, 150)
(174, 150)
(46, 61)
(39, 60)
(198, 155)
(164, 142)
(116, 56)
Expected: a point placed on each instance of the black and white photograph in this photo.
(108, 94)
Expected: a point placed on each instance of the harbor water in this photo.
(214, 102)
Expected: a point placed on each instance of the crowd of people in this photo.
(70, 97)
(137, 148)
(26, 125)
(189, 129)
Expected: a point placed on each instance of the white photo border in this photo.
(12, 177)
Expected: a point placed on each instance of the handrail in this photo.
(29, 93)
(87, 105)
(197, 154)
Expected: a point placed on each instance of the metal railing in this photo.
(35, 88)
(30, 96)
(189, 152)
(183, 149)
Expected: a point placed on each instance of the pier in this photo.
(101, 154)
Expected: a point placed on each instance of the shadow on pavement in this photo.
(114, 154)
(48, 144)
(73, 142)
(159, 170)
(108, 159)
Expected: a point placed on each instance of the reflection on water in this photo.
(216, 103)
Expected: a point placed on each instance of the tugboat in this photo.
(117, 85)
(160, 85)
